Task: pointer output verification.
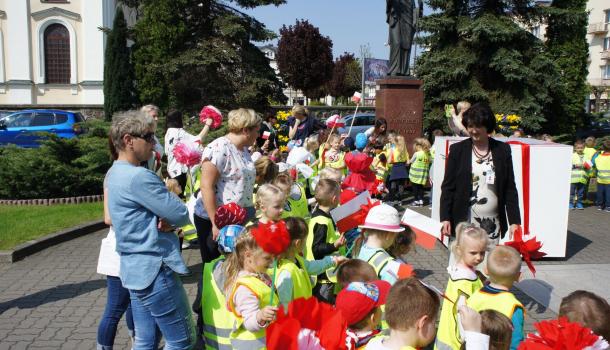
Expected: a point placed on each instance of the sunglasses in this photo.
(149, 137)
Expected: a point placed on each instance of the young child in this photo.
(469, 250)
(293, 272)
(248, 291)
(503, 269)
(361, 177)
(498, 327)
(588, 309)
(354, 270)
(216, 318)
(334, 157)
(360, 303)
(411, 311)
(381, 227)
(323, 238)
(601, 162)
(403, 244)
(270, 201)
(420, 169)
(397, 157)
(296, 201)
(266, 170)
(579, 176)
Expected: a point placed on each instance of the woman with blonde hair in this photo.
(302, 125)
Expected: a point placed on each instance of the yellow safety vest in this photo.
(503, 302)
(602, 164)
(190, 232)
(579, 175)
(331, 235)
(589, 152)
(418, 174)
(217, 320)
(379, 260)
(297, 207)
(240, 337)
(447, 336)
(395, 156)
(301, 283)
(338, 164)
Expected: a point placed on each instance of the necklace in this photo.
(480, 157)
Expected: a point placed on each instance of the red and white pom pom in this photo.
(211, 112)
(335, 121)
(187, 154)
(357, 97)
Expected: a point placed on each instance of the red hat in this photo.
(359, 298)
(229, 214)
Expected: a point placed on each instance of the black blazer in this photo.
(457, 184)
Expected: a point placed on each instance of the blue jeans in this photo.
(164, 303)
(603, 195)
(578, 190)
(117, 304)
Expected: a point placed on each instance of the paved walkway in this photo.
(54, 299)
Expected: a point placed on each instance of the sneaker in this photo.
(600, 208)
(579, 206)
(607, 210)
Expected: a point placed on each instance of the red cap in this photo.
(359, 298)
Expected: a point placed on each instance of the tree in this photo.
(119, 77)
(343, 83)
(304, 57)
(567, 44)
(478, 52)
(192, 53)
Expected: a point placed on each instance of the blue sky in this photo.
(348, 23)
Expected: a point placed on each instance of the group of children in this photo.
(590, 163)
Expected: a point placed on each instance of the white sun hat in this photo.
(383, 218)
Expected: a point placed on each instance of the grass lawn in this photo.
(20, 224)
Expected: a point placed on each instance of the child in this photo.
(380, 164)
(323, 238)
(498, 327)
(174, 187)
(217, 320)
(601, 162)
(588, 309)
(270, 201)
(248, 291)
(292, 277)
(469, 249)
(403, 244)
(420, 168)
(579, 175)
(296, 203)
(361, 178)
(333, 157)
(266, 170)
(355, 270)
(589, 152)
(381, 227)
(503, 269)
(397, 157)
(360, 303)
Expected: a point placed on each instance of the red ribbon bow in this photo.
(272, 237)
(529, 249)
(559, 335)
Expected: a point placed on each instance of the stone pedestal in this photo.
(400, 100)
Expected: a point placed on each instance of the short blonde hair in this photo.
(132, 122)
(243, 118)
(298, 109)
(329, 173)
(465, 229)
(312, 144)
(284, 182)
(326, 189)
(504, 265)
(267, 193)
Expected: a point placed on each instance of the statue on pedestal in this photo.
(402, 16)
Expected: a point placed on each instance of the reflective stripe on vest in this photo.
(503, 302)
(301, 283)
(379, 260)
(602, 163)
(240, 337)
(331, 235)
(217, 320)
(579, 175)
(418, 173)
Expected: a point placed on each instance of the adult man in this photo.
(402, 19)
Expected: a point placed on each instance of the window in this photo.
(43, 119)
(57, 54)
(62, 118)
(606, 44)
(18, 120)
(606, 72)
(607, 16)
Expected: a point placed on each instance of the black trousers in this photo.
(418, 192)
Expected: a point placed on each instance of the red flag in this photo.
(352, 214)
(426, 230)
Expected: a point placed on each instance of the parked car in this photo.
(22, 128)
(596, 128)
(363, 122)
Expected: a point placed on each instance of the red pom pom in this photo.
(272, 237)
(559, 335)
(211, 112)
(185, 154)
(529, 249)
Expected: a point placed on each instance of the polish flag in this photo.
(357, 97)
(349, 215)
(426, 230)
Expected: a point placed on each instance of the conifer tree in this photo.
(119, 89)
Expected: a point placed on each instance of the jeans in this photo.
(603, 195)
(164, 303)
(117, 304)
(578, 190)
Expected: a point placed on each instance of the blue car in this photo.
(22, 128)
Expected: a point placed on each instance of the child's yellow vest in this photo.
(331, 235)
(301, 283)
(217, 320)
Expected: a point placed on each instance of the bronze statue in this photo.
(402, 18)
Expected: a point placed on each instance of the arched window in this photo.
(57, 54)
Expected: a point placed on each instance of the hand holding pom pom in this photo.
(212, 113)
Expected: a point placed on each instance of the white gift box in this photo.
(542, 167)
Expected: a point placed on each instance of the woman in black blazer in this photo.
(466, 192)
